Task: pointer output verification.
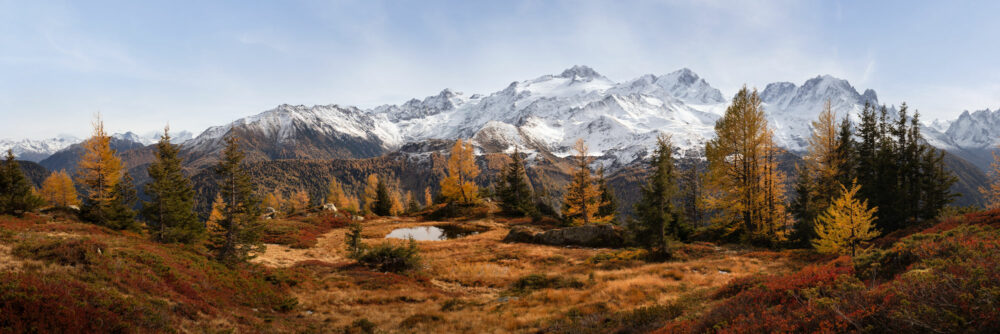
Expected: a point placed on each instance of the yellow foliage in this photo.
(99, 169)
(428, 199)
(582, 197)
(299, 201)
(991, 192)
(371, 192)
(58, 190)
(458, 186)
(744, 184)
(846, 224)
(216, 233)
(335, 194)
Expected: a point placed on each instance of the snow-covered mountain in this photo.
(36, 150)
(619, 120)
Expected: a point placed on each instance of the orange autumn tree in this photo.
(991, 192)
(458, 186)
(98, 171)
(745, 187)
(58, 190)
(583, 196)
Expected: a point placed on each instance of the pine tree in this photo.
(118, 213)
(991, 192)
(458, 186)
(169, 213)
(355, 247)
(658, 220)
(514, 190)
(846, 152)
(58, 190)
(16, 193)
(846, 224)
(371, 192)
(744, 185)
(335, 194)
(692, 198)
(607, 209)
(240, 224)
(98, 172)
(382, 205)
(582, 198)
(902, 175)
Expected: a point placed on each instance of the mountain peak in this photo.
(580, 71)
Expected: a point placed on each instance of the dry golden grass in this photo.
(464, 284)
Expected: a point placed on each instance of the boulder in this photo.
(329, 207)
(587, 236)
(521, 234)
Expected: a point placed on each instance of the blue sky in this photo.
(200, 63)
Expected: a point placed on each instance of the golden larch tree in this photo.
(58, 190)
(335, 194)
(458, 186)
(299, 202)
(991, 191)
(583, 196)
(743, 184)
(216, 233)
(846, 224)
(428, 198)
(99, 170)
(371, 192)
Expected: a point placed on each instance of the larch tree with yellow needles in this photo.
(991, 191)
(58, 190)
(583, 196)
(846, 224)
(98, 172)
(458, 186)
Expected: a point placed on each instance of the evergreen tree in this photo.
(16, 194)
(804, 207)
(744, 185)
(582, 197)
(240, 225)
(382, 205)
(58, 190)
(658, 220)
(692, 198)
(514, 190)
(118, 213)
(169, 213)
(607, 210)
(846, 224)
(846, 154)
(355, 247)
(458, 186)
(98, 172)
(903, 175)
